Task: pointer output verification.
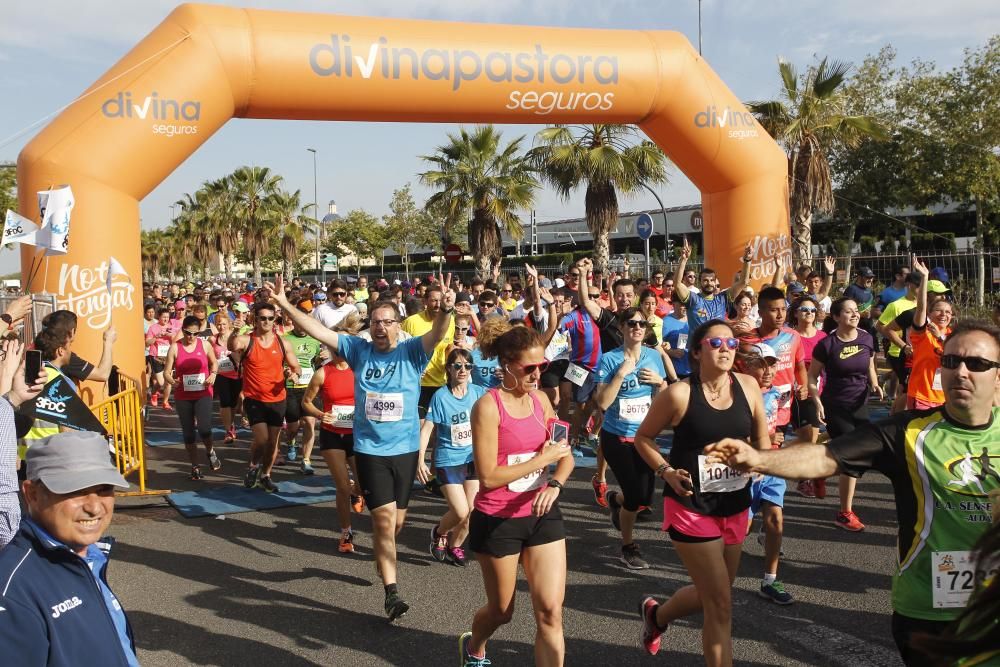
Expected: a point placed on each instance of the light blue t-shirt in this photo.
(701, 309)
(483, 374)
(675, 332)
(452, 418)
(386, 392)
(632, 402)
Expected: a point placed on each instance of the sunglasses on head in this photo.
(637, 324)
(716, 342)
(459, 366)
(531, 368)
(265, 318)
(974, 364)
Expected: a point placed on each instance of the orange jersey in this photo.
(263, 370)
(925, 377)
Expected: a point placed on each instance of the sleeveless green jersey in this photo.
(305, 348)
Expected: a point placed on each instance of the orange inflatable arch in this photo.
(206, 64)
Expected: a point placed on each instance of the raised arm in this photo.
(441, 325)
(739, 284)
(585, 266)
(680, 289)
(103, 370)
(276, 295)
(920, 313)
(830, 268)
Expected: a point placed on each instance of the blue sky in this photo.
(51, 50)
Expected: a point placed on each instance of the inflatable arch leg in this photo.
(206, 64)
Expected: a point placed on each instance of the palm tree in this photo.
(218, 204)
(152, 253)
(477, 176)
(292, 224)
(196, 229)
(808, 119)
(252, 192)
(609, 159)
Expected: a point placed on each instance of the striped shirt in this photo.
(584, 339)
(10, 509)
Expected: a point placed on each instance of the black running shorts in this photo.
(386, 479)
(499, 536)
(258, 412)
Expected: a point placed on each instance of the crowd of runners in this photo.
(484, 391)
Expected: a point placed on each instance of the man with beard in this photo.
(710, 303)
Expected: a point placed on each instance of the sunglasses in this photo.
(505, 291)
(573, 275)
(338, 293)
(531, 368)
(319, 299)
(487, 304)
(807, 309)
(459, 366)
(264, 318)
(716, 343)
(190, 333)
(637, 324)
(974, 364)
(461, 328)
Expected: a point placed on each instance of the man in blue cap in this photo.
(56, 607)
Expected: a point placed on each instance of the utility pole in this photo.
(315, 205)
(699, 27)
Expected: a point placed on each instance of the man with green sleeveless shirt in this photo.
(306, 349)
(940, 463)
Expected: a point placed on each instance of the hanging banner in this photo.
(18, 229)
(59, 404)
(55, 207)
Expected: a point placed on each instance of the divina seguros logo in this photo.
(741, 123)
(340, 58)
(172, 115)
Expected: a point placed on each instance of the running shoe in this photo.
(196, 473)
(293, 451)
(806, 489)
(357, 504)
(820, 486)
(466, 660)
(230, 435)
(307, 468)
(849, 521)
(614, 508)
(250, 480)
(167, 406)
(650, 633)
(439, 545)
(213, 458)
(154, 399)
(395, 606)
(346, 542)
(776, 593)
(645, 513)
(600, 490)
(456, 556)
(265, 483)
(632, 557)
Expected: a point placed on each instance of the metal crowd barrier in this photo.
(122, 416)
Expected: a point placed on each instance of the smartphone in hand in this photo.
(32, 366)
(558, 430)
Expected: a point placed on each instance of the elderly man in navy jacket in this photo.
(56, 607)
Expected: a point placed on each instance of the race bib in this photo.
(194, 382)
(936, 384)
(633, 409)
(162, 349)
(343, 416)
(384, 407)
(531, 481)
(576, 374)
(682, 342)
(226, 365)
(461, 435)
(954, 576)
(719, 478)
(306, 375)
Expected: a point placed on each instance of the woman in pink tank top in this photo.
(192, 366)
(516, 516)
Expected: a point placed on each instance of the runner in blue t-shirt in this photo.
(449, 414)
(711, 303)
(627, 379)
(675, 334)
(386, 390)
(484, 373)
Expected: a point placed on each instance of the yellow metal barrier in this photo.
(122, 416)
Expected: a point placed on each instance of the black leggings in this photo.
(189, 411)
(636, 479)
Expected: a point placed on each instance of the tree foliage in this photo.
(8, 185)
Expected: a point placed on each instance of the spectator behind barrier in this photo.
(62, 324)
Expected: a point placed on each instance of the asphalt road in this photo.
(270, 588)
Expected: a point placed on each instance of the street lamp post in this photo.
(666, 227)
(315, 205)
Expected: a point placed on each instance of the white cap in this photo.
(764, 350)
(560, 282)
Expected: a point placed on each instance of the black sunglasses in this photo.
(974, 364)
(190, 333)
(264, 318)
(637, 324)
(531, 368)
(338, 293)
(459, 366)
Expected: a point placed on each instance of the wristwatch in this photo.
(555, 484)
(8, 319)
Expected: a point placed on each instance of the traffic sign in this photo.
(644, 226)
(453, 253)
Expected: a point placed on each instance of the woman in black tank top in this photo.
(705, 505)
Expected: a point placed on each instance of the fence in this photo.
(122, 416)
(41, 305)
